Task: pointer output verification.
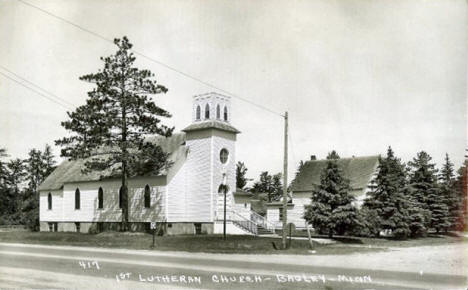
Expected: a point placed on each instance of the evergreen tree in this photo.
(449, 193)
(3, 188)
(331, 210)
(14, 177)
(38, 166)
(425, 192)
(461, 188)
(118, 115)
(3, 154)
(386, 205)
(241, 179)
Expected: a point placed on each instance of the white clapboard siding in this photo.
(197, 199)
(57, 204)
(223, 140)
(176, 196)
(63, 202)
(273, 216)
(296, 214)
(156, 211)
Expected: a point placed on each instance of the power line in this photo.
(150, 58)
(37, 92)
(37, 86)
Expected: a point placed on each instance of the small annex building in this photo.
(187, 198)
(359, 170)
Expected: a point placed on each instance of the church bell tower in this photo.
(211, 157)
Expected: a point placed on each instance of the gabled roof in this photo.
(70, 171)
(358, 170)
(221, 125)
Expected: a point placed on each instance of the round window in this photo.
(223, 155)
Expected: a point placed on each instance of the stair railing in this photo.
(262, 221)
(244, 223)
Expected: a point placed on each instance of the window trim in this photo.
(147, 197)
(198, 113)
(225, 114)
(207, 111)
(218, 112)
(77, 199)
(49, 201)
(100, 198)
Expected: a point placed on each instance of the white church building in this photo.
(187, 198)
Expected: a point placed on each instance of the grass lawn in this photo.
(211, 243)
(431, 240)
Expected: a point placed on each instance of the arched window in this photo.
(49, 201)
(77, 198)
(198, 113)
(120, 196)
(147, 196)
(225, 114)
(207, 111)
(218, 112)
(100, 198)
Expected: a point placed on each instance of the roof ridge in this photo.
(346, 158)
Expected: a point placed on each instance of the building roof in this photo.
(70, 170)
(209, 124)
(358, 170)
(241, 192)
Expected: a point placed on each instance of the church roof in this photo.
(70, 170)
(358, 170)
(211, 124)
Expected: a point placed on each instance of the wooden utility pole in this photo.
(285, 180)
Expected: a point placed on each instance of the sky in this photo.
(354, 76)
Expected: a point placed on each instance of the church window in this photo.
(225, 114)
(224, 155)
(77, 198)
(198, 113)
(49, 201)
(207, 111)
(100, 198)
(218, 112)
(147, 196)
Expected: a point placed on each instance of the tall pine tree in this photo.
(119, 115)
(39, 165)
(448, 192)
(15, 175)
(461, 188)
(331, 210)
(425, 192)
(386, 202)
(3, 187)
